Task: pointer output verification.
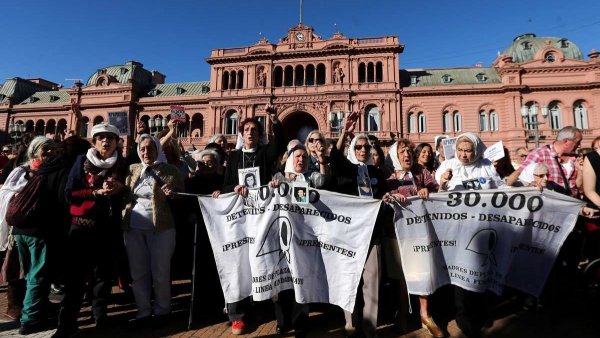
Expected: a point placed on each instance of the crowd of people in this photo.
(121, 220)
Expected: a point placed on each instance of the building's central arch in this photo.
(297, 125)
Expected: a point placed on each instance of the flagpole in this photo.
(300, 11)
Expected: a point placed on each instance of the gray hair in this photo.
(35, 146)
(567, 133)
(540, 166)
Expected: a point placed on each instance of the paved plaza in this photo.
(578, 317)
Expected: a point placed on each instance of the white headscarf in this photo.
(351, 152)
(393, 156)
(160, 155)
(36, 144)
(289, 163)
(478, 146)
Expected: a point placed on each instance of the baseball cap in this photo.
(105, 128)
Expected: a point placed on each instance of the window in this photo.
(555, 116)
(180, 90)
(262, 121)
(85, 121)
(446, 121)
(362, 71)
(411, 122)
(481, 77)
(310, 75)
(299, 76)
(526, 45)
(336, 117)
(320, 74)
(580, 115)
(370, 72)
(124, 70)
(240, 79)
(288, 76)
(372, 118)
(278, 77)
(483, 123)
(225, 84)
(413, 80)
(530, 112)
(446, 78)
(494, 124)
(457, 121)
(231, 122)
(422, 122)
(550, 57)
(379, 72)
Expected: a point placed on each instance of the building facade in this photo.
(534, 88)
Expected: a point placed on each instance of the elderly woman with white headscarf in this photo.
(356, 175)
(469, 171)
(149, 227)
(407, 179)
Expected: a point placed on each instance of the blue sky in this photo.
(67, 39)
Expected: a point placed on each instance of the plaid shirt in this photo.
(549, 157)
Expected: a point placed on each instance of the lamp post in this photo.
(16, 130)
(336, 118)
(157, 124)
(531, 112)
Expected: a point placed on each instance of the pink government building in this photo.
(535, 87)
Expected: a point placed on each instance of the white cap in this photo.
(105, 128)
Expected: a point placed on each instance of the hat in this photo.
(104, 128)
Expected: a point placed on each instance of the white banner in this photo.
(483, 240)
(265, 243)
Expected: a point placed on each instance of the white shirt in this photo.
(480, 175)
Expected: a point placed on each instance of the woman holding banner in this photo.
(297, 171)
(408, 179)
(251, 155)
(469, 171)
(357, 176)
(149, 227)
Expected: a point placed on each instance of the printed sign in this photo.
(495, 152)
(178, 113)
(120, 120)
(449, 145)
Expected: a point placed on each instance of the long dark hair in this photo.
(429, 165)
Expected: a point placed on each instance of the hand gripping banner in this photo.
(483, 240)
(265, 243)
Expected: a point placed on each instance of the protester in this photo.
(408, 179)
(356, 176)
(424, 156)
(32, 238)
(504, 166)
(520, 156)
(94, 190)
(469, 171)
(591, 189)
(251, 155)
(297, 170)
(149, 227)
(314, 138)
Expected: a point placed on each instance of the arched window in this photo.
(183, 129)
(231, 122)
(494, 123)
(379, 72)
(310, 75)
(362, 71)
(555, 116)
(240, 79)
(278, 77)
(372, 118)
(370, 72)
(483, 123)
(446, 121)
(411, 123)
(232, 79)
(288, 76)
(320, 74)
(85, 121)
(51, 127)
(422, 122)
(457, 121)
(580, 115)
(197, 125)
(299, 76)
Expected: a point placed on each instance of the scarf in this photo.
(465, 171)
(96, 161)
(289, 164)
(160, 154)
(362, 169)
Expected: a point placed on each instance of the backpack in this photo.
(24, 207)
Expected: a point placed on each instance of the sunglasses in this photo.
(5, 151)
(311, 140)
(541, 175)
(361, 146)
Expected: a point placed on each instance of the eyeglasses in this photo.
(541, 175)
(361, 146)
(108, 137)
(311, 140)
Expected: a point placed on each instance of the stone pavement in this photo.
(577, 316)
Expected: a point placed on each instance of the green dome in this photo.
(525, 46)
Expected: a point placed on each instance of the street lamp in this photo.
(157, 124)
(16, 130)
(336, 118)
(530, 113)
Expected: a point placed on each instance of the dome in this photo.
(524, 47)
